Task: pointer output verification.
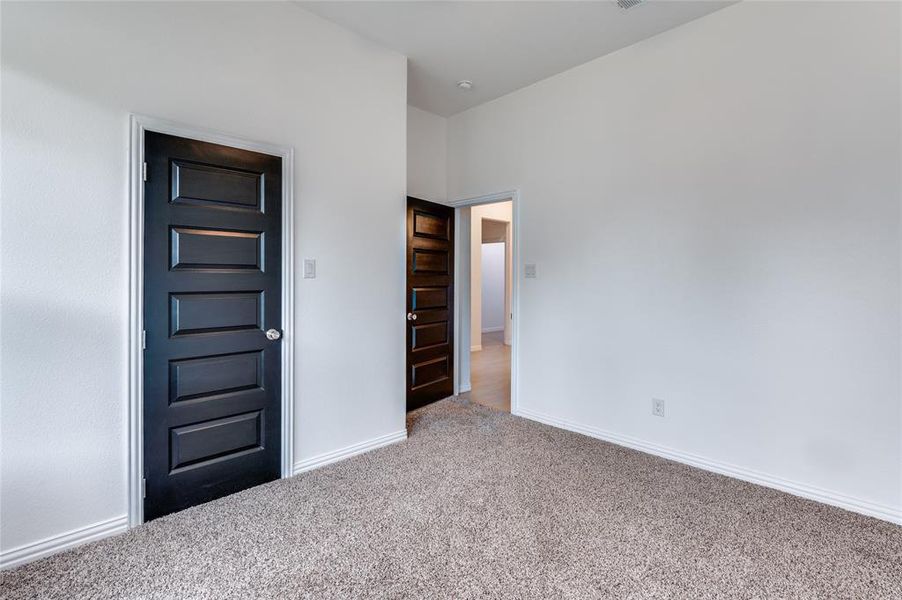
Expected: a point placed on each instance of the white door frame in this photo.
(514, 197)
(138, 125)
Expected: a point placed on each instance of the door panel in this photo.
(430, 225)
(433, 262)
(425, 336)
(202, 312)
(430, 290)
(205, 249)
(192, 446)
(430, 372)
(212, 287)
(194, 183)
(429, 297)
(203, 378)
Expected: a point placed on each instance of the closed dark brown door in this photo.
(430, 298)
(212, 290)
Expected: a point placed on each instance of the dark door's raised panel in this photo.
(424, 298)
(431, 261)
(212, 286)
(198, 378)
(197, 313)
(216, 249)
(436, 315)
(430, 293)
(426, 336)
(431, 225)
(199, 444)
(219, 187)
(431, 372)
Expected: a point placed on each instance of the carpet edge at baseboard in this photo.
(32, 551)
(856, 505)
(321, 460)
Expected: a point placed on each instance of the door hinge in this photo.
(144, 488)
(143, 339)
(144, 171)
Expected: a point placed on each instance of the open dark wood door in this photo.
(212, 311)
(430, 302)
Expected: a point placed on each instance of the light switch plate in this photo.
(529, 271)
(309, 268)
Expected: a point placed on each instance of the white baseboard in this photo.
(464, 387)
(493, 329)
(476, 348)
(326, 458)
(864, 507)
(58, 543)
(30, 552)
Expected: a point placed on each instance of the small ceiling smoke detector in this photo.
(628, 4)
(465, 84)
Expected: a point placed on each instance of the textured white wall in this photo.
(427, 142)
(493, 287)
(271, 72)
(715, 218)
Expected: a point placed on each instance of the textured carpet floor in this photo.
(479, 504)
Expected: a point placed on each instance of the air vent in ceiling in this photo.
(628, 4)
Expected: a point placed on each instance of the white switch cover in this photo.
(529, 271)
(309, 268)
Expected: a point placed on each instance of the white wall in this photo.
(270, 72)
(427, 142)
(493, 287)
(730, 193)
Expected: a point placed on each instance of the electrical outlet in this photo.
(657, 407)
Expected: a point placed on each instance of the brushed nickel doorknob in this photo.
(411, 316)
(273, 334)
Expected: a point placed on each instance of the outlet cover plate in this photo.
(657, 407)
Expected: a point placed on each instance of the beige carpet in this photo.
(480, 504)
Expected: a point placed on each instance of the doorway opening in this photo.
(486, 275)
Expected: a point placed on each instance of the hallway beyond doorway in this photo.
(490, 373)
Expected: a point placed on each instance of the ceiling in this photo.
(501, 46)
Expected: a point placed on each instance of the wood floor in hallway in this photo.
(490, 373)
